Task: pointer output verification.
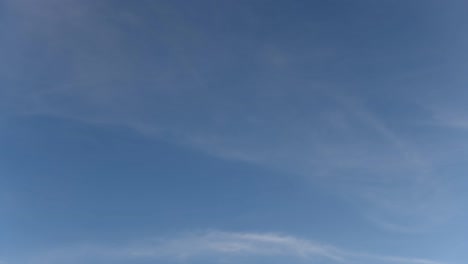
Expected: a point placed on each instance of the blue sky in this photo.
(239, 131)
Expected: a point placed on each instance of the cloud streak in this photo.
(261, 115)
(216, 245)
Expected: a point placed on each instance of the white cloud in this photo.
(225, 243)
(215, 245)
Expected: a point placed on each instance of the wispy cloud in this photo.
(215, 245)
(300, 127)
(449, 117)
(225, 243)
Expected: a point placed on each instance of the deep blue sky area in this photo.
(233, 131)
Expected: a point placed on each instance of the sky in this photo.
(233, 131)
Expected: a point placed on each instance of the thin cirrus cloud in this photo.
(255, 111)
(215, 246)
